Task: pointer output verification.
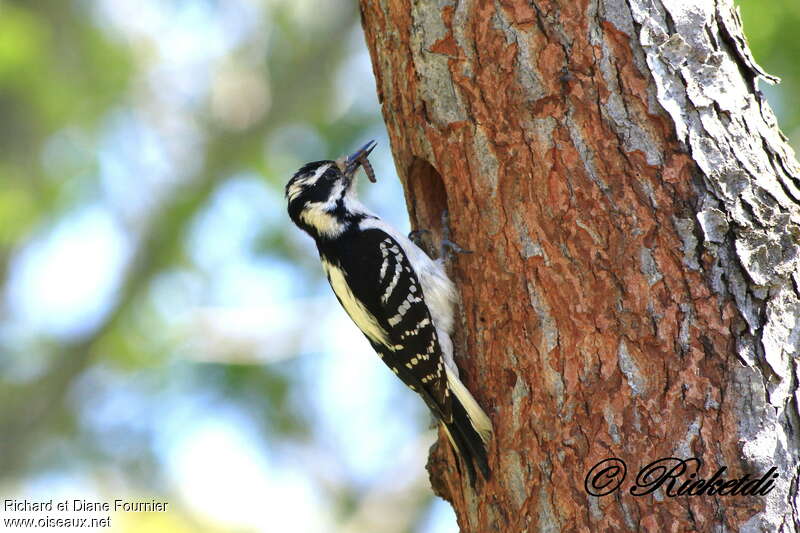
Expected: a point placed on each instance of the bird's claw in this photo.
(450, 246)
(416, 236)
(446, 248)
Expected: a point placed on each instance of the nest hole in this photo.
(427, 197)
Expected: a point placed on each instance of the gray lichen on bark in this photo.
(749, 215)
(443, 103)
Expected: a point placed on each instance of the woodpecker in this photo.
(400, 298)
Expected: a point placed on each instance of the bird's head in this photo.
(321, 195)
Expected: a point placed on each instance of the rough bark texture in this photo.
(635, 217)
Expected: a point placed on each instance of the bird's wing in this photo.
(375, 283)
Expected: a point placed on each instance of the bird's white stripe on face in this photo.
(318, 217)
(358, 313)
(301, 183)
(295, 189)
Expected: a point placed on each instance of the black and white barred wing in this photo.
(376, 285)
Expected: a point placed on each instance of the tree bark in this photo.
(635, 217)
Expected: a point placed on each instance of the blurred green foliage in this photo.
(66, 70)
(57, 69)
(771, 30)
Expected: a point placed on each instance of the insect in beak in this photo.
(359, 158)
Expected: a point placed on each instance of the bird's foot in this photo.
(416, 236)
(422, 238)
(448, 247)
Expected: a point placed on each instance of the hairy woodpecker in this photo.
(400, 298)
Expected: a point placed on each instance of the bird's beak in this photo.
(354, 160)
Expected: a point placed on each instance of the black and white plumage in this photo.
(401, 299)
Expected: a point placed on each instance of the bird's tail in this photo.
(470, 430)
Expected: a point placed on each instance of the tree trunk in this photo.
(635, 217)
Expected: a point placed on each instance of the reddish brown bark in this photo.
(591, 326)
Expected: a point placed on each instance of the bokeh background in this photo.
(164, 332)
